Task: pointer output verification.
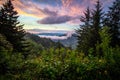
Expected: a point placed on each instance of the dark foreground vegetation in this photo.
(97, 56)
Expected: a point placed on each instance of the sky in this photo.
(53, 15)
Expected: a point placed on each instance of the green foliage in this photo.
(10, 65)
(4, 44)
(105, 37)
(103, 48)
(60, 64)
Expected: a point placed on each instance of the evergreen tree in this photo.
(113, 21)
(97, 18)
(83, 33)
(88, 34)
(10, 26)
(97, 23)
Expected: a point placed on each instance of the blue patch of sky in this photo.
(48, 2)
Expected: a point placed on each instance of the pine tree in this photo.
(113, 21)
(88, 34)
(10, 26)
(83, 33)
(97, 23)
(97, 16)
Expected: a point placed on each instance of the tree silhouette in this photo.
(113, 21)
(83, 33)
(11, 27)
(97, 23)
(88, 34)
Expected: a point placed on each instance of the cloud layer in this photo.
(54, 11)
(55, 19)
(40, 31)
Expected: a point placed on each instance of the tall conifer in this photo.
(83, 33)
(10, 26)
(88, 34)
(113, 21)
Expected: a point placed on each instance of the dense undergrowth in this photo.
(60, 64)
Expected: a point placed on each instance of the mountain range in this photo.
(66, 38)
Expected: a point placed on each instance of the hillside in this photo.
(44, 42)
(69, 42)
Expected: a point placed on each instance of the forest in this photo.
(25, 56)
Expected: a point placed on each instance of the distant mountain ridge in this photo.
(52, 34)
(69, 42)
(44, 42)
(66, 38)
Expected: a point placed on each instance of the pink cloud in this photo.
(57, 19)
(70, 8)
